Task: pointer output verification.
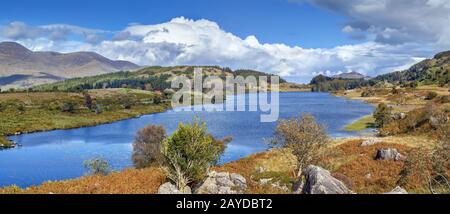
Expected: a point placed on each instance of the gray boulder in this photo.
(370, 142)
(320, 181)
(169, 188)
(397, 190)
(389, 154)
(223, 183)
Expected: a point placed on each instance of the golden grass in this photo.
(279, 162)
(129, 181)
(358, 164)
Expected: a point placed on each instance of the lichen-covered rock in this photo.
(389, 154)
(320, 181)
(397, 190)
(223, 183)
(370, 142)
(297, 187)
(169, 188)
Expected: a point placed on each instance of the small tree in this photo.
(431, 95)
(382, 115)
(303, 136)
(190, 151)
(88, 101)
(21, 107)
(97, 166)
(126, 103)
(157, 98)
(147, 146)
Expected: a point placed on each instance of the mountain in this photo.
(21, 67)
(350, 75)
(429, 71)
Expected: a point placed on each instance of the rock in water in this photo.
(223, 183)
(397, 190)
(168, 188)
(320, 181)
(389, 154)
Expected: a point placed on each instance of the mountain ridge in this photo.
(38, 67)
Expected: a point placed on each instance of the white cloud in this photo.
(395, 21)
(184, 41)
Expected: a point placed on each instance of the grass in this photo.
(363, 123)
(40, 111)
(129, 181)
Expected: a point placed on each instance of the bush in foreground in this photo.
(190, 151)
(147, 146)
(304, 137)
(97, 166)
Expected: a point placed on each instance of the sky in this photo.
(296, 39)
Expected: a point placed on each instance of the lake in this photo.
(57, 155)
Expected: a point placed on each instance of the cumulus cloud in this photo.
(395, 21)
(184, 41)
(21, 31)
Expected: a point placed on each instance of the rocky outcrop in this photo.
(370, 142)
(169, 188)
(223, 183)
(397, 190)
(398, 116)
(320, 181)
(389, 154)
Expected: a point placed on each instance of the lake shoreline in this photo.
(291, 98)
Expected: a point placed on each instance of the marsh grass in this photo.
(42, 110)
(361, 124)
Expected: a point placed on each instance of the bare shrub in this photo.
(147, 146)
(303, 136)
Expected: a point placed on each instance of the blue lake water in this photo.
(57, 155)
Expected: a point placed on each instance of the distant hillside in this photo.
(149, 78)
(426, 72)
(429, 71)
(350, 75)
(21, 67)
(323, 83)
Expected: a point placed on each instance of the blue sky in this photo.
(272, 21)
(296, 39)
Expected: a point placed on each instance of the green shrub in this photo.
(20, 107)
(190, 151)
(126, 103)
(68, 107)
(97, 166)
(382, 115)
(431, 95)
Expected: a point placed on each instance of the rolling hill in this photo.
(435, 71)
(426, 72)
(149, 78)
